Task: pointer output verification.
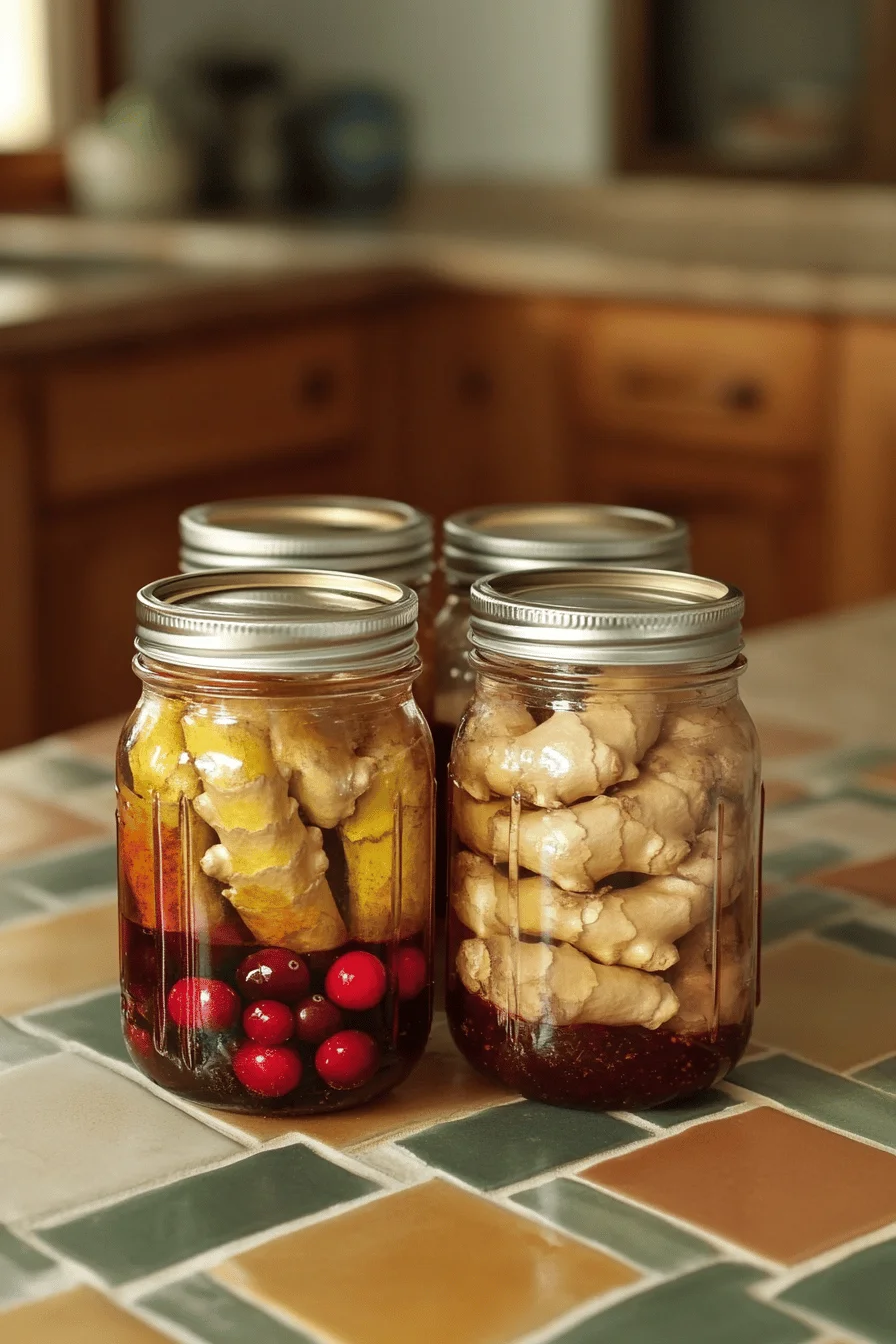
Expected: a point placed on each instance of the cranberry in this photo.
(139, 1039)
(198, 1002)
(268, 1022)
(348, 1059)
(356, 980)
(274, 973)
(411, 971)
(316, 1019)
(269, 1070)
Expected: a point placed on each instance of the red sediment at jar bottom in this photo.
(198, 1063)
(600, 1068)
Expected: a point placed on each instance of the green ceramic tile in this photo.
(821, 1096)
(59, 775)
(694, 1108)
(71, 874)
(648, 1240)
(23, 1270)
(788, 865)
(856, 1294)
(95, 1022)
(507, 1144)
(217, 1316)
(15, 903)
(882, 1075)
(138, 1236)
(802, 908)
(709, 1306)
(863, 937)
(17, 1047)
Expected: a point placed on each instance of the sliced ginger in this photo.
(326, 776)
(273, 864)
(390, 884)
(558, 985)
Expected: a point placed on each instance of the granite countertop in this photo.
(452, 1211)
(820, 250)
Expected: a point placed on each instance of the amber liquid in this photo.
(585, 1065)
(443, 737)
(198, 1064)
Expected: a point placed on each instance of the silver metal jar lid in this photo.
(341, 532)
(506, 537)
(613, 617)
(277, 621)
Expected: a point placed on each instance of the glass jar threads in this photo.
(379, 537)
(275, 818)
(604, 835)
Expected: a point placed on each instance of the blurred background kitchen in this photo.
(635, 251)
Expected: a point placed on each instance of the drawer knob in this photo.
(317, 387)
(743, 396)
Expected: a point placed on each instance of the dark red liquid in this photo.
(602, 1068)
(197, 1064)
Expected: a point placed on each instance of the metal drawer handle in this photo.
(317, 387)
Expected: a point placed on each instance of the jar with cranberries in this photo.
(605, 819)
(275, 821)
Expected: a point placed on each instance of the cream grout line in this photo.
(585, 1310)
(791, 1275)
(868, 1064)
(824, 1124)
(824, 1324)
(244, 1292)
(542, 1220)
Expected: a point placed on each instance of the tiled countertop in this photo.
(820, 250)
(452, 1211)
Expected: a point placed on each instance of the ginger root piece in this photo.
(561, 986)
(325, 775)
(568, 757)
(693, 982)
(390, 886)
(490, 729)
(638, 927)
(649, 831)
(167, 884)
(274, 865)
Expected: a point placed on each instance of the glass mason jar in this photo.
(378, 537)
(605, 819)
(275, 817)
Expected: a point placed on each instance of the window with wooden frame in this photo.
(58, 58)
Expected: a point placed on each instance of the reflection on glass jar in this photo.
(605, 812)
(347, 533)
(275, 810)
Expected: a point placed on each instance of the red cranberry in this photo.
(274, 973)
(269, 1070)
(348, 1059)
(356, 980)
(411, 971)
(268, 1022)
(139, 1039)
(198, 1002)
(316, 1019)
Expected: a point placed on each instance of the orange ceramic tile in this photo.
(28, 826)
(81, 1316)
(876, 879)
(779, 739)
(882, 777)
(827, 1003)
(54, 958)
(442, 1087)
(766, 1180)
(430, 1263)
(781, 791)
(98, 740)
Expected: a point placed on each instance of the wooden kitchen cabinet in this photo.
(720, 419)
(485, 416)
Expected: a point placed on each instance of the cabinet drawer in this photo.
(117, 421)
(702, 378)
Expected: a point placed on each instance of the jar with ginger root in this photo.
(605, 814)
(275, 821)
(383, 538)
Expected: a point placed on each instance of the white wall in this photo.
(513, 88)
